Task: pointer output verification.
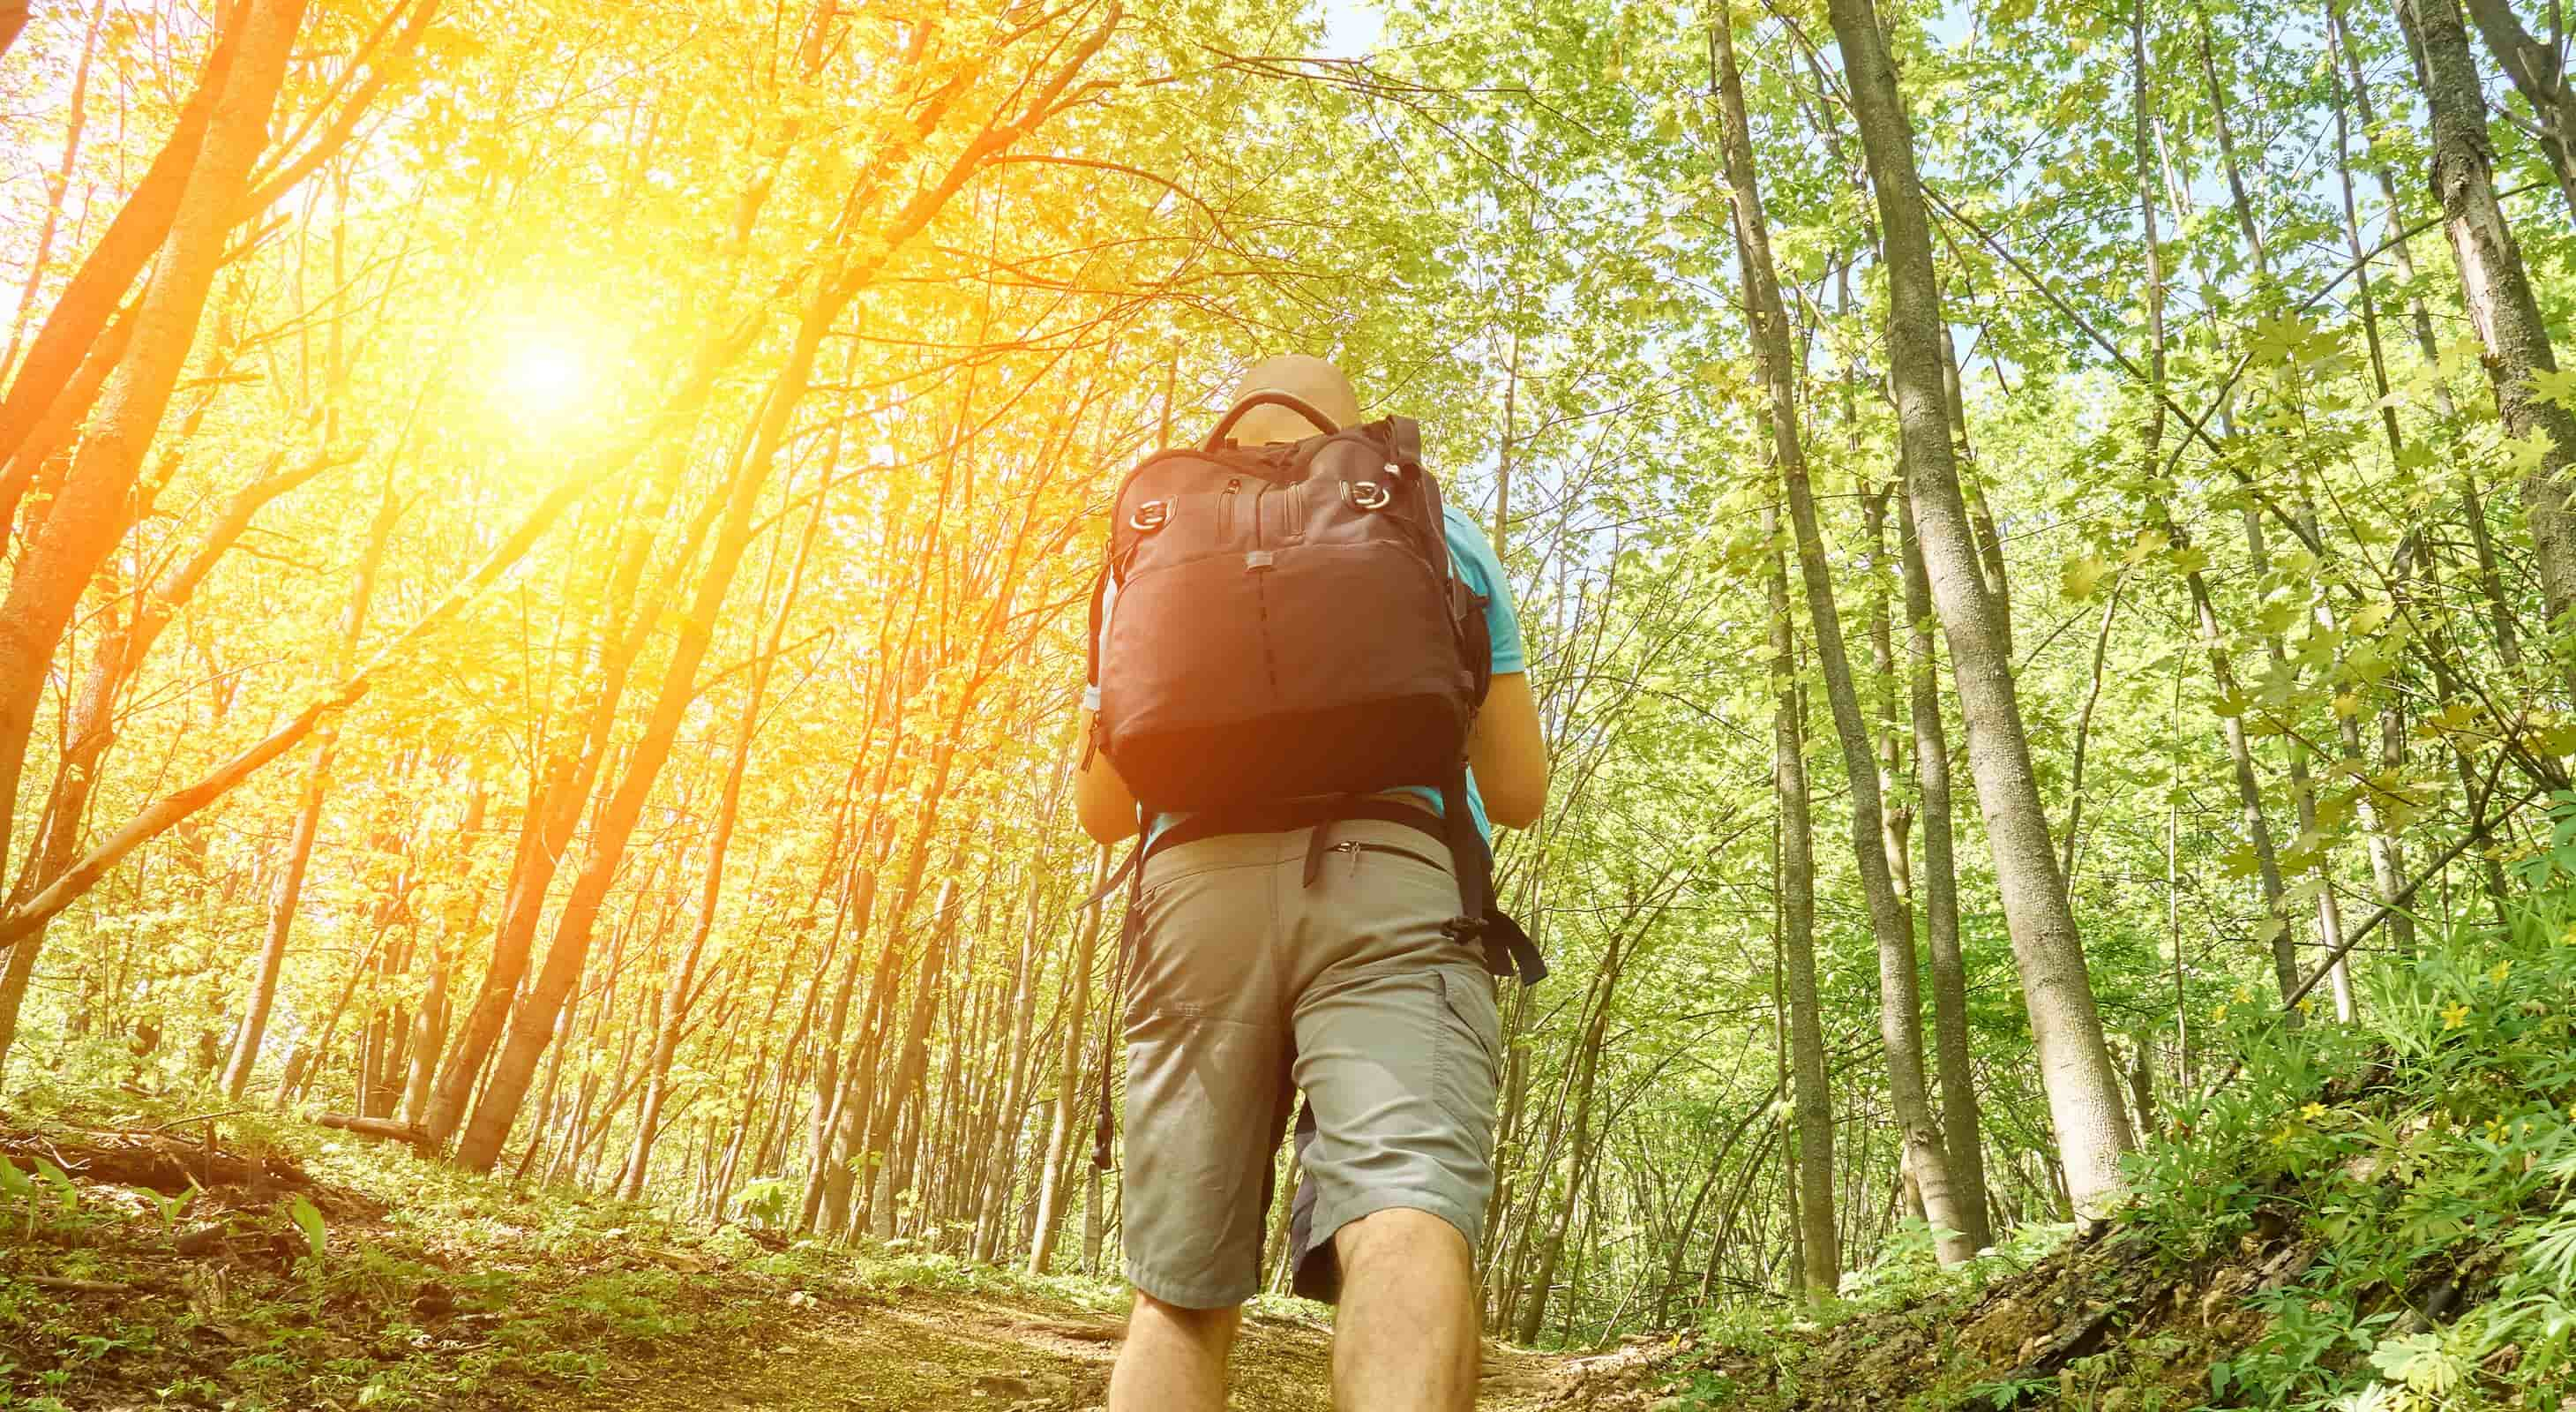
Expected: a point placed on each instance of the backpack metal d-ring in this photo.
(1150, 516)
(1366, 494)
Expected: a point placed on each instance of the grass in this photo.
(362, 1276)
(2378, 1217)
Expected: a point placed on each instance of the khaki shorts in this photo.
(1249, 986)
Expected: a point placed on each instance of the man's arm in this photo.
(1508, 753)
(1107, 810)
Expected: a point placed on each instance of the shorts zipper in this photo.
(1355, 849)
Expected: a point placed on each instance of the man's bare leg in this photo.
(1406, 1337)
(1174, 1358)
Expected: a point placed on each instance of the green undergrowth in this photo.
(2375, 1217)
(299, 1267)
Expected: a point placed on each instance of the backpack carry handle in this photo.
(1292, 402)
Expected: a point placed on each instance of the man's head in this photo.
(1309, 379)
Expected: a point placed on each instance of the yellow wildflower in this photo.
(2454, 1015)
(2313, 1112)
(2502, 970)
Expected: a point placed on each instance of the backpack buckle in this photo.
(1366, 494)
(1150, 516)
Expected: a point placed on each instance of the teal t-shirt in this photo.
(1473, 559)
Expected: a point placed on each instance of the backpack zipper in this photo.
(1225, 510)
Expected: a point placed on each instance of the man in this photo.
(1247, 983)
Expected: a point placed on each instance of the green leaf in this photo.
(309, 1218)
(2084, 575)
(2556, 384)
(2523, 455)
(66, 1194)
(14, 1182)
(2420, 1362)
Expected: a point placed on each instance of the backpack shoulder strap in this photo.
(1091, 640)
(1404, 438)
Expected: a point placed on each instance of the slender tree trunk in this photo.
(680, 992)
(2225, 132)
(1068, 1094)
(1587, 1067)
(1900, 992)
(2387, 855)
(1001, 1163)
(532, 1021)
(2497, 290)
(1811, 1092)
(308, 816)
(2074, 1063)
(912, 1061)
(2539, 74)
(1962, 1128)
(57, 182)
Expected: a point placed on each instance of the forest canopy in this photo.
(548, 548)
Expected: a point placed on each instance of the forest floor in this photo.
(1014, 1352)
(2377, 1217)
(154, 1256)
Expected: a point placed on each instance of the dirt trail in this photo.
(1004, 1353)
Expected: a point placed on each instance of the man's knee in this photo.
(1400, 1241)
(1210, 1327)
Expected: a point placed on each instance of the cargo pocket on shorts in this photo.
(1469, 1056)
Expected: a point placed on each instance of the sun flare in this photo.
(546, 378)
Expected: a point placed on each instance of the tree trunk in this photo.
(1068, 1094)
(1001, 1162)
(911, 1060)
(1587, 1066)
(1962, 1130)
(2497, 290)
(308, 819)
(89, 514)
(1810, 1091)
(2387, 853)
(2538, 75)
(680, 990)
(1900, 993)
(2075, 1065)
(532, 1021)
(555, 806)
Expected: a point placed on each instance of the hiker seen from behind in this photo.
(1307, 699)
